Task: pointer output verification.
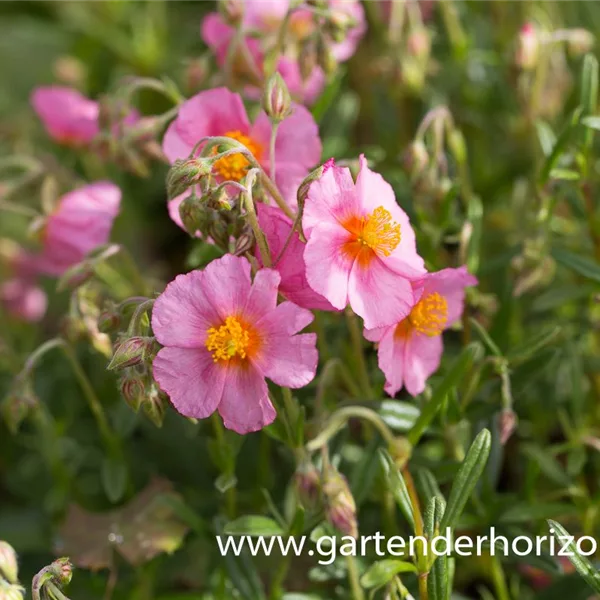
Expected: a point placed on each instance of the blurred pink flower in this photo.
(276, 226)
(23, 299)
(222, 335)
(81, 223)
(219, 112)
(68, 116)
(361, 248)
(410, 351)
(263, 18)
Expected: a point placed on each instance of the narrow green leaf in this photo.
(397, 486)
(565, 174)
(384, 571)
(433, 515)
(545, 136)
(475, 219)
(467, 357)
(580, 264)
(589, 91)
(438, 586)
(591, 122)
(253, 525)
(561, 144)
(114, 478)
(533, 345)
(526, 512)
(581, 563)
(546, 462)
(485, 337)
(467, 478)
(399, 415)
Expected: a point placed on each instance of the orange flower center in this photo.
(375, 234)
(235, 166)
(233, 339)
(301, 26)
(429, 316)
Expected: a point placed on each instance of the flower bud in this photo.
(304, 187)
(415, 159)
(528, 46)
(244, 242)
(232, 11)
(186, 173)
(133, 390)
(340, 506)
(307, 59)
(581, 41)
(194, 215)
(196, 74)
(9, 591)
(418, 43)
(154, 406)
(62, 571)
(8, 563)
(400, 450)
(507, 424)
(18, 404)
(308, 483)
(130, 352)
(75, 276)
(277, 102)
(109, 321)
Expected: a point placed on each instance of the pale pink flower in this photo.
(219, 112)
(361, 248)
(410, 351)
(222, 335)
(23, 299)
(261, 23)
(68, 116)
(288, 261)
(81, 223)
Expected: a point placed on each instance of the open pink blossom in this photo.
(361, 248)
(219, 112)
(81, 223)
(68, 116)
(23, 299)
(289, 261)
(222, 335)
(411, 350)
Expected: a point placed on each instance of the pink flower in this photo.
(81, 223)
(219, 112)
(23, 299)
(290, 266)
(411, 350)
(263, 19)
(361, 248)
(69, 117)
(222, 335)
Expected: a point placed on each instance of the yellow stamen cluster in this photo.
(235, 166)
(228, 341)
(379, 232)
(430, 315)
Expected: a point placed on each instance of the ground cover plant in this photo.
(283, 271)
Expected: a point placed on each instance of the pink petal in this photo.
(302, 91)
(373, 192)
(245, 406)
(331, 199)
(215, 32)
(380, 296)
(264, 15)
(327, 266)
(209, 113)
(226, 283)
(191, 379)
(391, 358)
(375, 335)
(286, 319)
(291, 361)
(345, 49)
(23, 299)
(294, 285)
(183, 313)
(422, 358)
(451, 284)
(263, 295)
(173, 145)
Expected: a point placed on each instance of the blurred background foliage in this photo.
(539, 234)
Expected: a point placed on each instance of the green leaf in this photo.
(561, 145)
(438, 586)
(467, 357)
(589, 91)
(433, 515)
(545, 136)
(225, 482)
(581, 563)
(253, 525)
(399, 415)
(383, 571)
(114, 478)
(565, 174)
(591, 122)
(527, 512)
(533, 345)
(580, 264)
(466, 478)
(475, 219)
(546, 462)
(397, 486)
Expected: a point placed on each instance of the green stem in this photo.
(17, 209)
(261, 240)
(499, 579)
(357, 345)
(279, 577)
(354, 579)
(274, 128)
(136, 320)
(274, 192)
(230, 498)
